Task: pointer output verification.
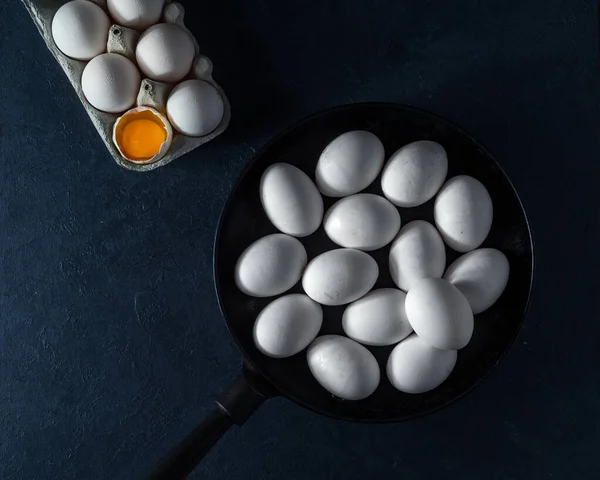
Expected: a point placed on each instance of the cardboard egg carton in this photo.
(154, 94)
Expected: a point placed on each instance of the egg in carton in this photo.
(153, 95)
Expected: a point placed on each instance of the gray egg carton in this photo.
(153, 94)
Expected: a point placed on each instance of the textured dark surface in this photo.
(111, 342)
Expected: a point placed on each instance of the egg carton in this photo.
(153, 94)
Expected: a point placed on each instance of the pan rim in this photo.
(247, 359)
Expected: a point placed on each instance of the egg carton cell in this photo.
(154, 94)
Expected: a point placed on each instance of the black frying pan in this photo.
(244, 221)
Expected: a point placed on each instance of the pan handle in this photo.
(234, 406)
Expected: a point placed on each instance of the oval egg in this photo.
(111, 83)
(339, 276)
(481, 276)
(363, 221)
(349, 163)
(270, 266)
(291, 200)
(195, 108)
(137, 14)
(463, 213)
(343, 367)
(439, 314)
(287, 325)
(80, 29)
(165, 53)
(142, 135)
(416, 367)
(378, 318)
(417, 252)
(415, 173)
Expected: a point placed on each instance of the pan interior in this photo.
(244, 221)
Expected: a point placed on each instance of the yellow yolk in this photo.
(140, 135)
(141, 139)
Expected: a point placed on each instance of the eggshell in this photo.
(349, 163)
(287, 325)
(463, 213)
(270, 266)
(439, 314)
(363, 221)
(80, 29)
(378, 318)
(415, 173)
(138, 14)
(195, 108)
(110, 82)
(481, 276)
(291, 200)
(417, 252)
(164, 148)
(416, 367)
(165, 52)
(339, 276)
(343, 367)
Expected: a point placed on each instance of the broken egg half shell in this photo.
(142, 135)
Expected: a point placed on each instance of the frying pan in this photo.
(243, 221)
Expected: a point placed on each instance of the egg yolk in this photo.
(142, 138)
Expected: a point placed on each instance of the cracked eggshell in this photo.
(414, 366)
(291, 200)
(287, 325)
(339, 276)
(415, 173)
(159, 118)
(481, 276)
(378, 318)
(343, 367)
(439, 314)
(363, 221)
(349, 164)
(417, 252)
(270, 266)
(463, 213)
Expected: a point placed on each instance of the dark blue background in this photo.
(112, 346)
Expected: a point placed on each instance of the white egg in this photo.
(349, 163)
(415, 173)
(270, 266)
(463, 213)
(138, 14)
(287, 325)
(378, 318)
(165, 52)
(417, 252)
(195, 108)
(291, 200)
(439, 314)
(343, 367)
(481, 276)
(339, 276)
(111, 83)
(363, 221)
(416, 367)
(80, 29)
